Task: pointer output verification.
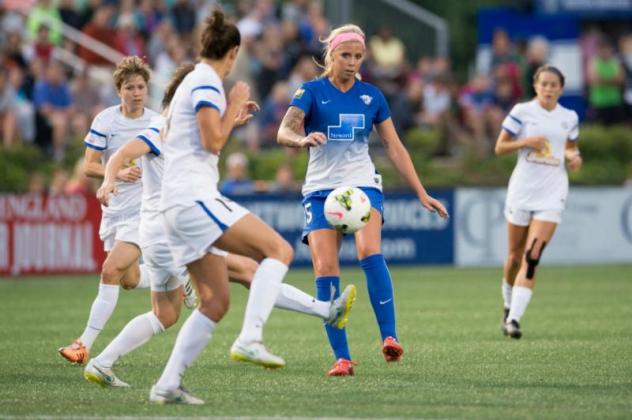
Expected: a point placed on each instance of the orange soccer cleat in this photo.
(392, 350)
(342, 367)
(75, 353)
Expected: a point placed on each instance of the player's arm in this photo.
(292, 133)
(215, 130)
(572, 155)
(400, 157)
(118, 167)
(506, 143)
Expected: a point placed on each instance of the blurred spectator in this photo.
(183, 18)
(99, 29)
(24, 109)
(14, 52)
(86, 100)
(148, 17)
(58, 182)
(272, 112)
(388, 56)
(236, 181)
(304, 71)
(537, 55)
(37, 183)
(606, 80)
(270, 54)
(475, 100)
(53, 104)
(625, 47)
(505, 62)
(406, 105)
(42, 47)
(436, 101)
(70, 15)
(8, 104)
(159, 39)
(127, 39)
(284, 181)
(79, 183)
(45, 13)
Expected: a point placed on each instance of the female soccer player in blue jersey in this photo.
(333, 117)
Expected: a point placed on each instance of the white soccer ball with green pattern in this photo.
(347, 209)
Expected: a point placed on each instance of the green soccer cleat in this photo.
(340, 307)
(103, 376)
(256, 353)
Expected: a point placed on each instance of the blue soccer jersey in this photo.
(347, 120)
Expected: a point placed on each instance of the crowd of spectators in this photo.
(49, 100)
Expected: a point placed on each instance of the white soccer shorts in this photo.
(122, 227)
(192, 230)
(523, 217)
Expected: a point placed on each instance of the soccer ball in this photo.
(347, 209)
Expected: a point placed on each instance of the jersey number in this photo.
(345, 130)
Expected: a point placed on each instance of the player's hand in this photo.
(104, 191)
(239, 94)
(537, 142)
(131, 174)
(246, 113)
(313, 140)
(434, 206)
(575, 163)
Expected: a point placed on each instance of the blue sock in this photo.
(378, 281)
(337, 338)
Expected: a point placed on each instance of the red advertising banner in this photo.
(42, 234)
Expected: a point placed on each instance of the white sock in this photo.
(136, 333)
(519, 301)
(192, 338)
(144, 281)
(294, 299)
(101, 310)
(263, 294)
(506, 291)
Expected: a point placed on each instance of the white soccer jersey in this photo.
(539, 180)
(151, 225)
(191, 172)
(109, 131)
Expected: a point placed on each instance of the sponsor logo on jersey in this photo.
(299, 93)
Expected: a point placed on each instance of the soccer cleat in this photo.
(75, 352)
(190, 297)
(340, 308)
(178, 396)
(101, 375)
(392, 350)
(503, 323)
(342, 367)
(256, 353)
(512, 329)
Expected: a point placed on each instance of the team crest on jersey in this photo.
(366, 99)
(299, 92)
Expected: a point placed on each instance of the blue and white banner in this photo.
(410, 235)
(596, 227)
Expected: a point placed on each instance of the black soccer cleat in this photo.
(512, 329)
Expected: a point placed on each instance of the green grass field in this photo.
(574, 361)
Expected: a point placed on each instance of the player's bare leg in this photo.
(517, 238)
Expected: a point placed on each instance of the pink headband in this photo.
(345, 37)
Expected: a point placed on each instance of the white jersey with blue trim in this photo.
(539, 180)
(347, 119)
(109, 131)
(153, 166)
(191, 172)
(151, 224)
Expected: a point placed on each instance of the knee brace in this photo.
(532, 262)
